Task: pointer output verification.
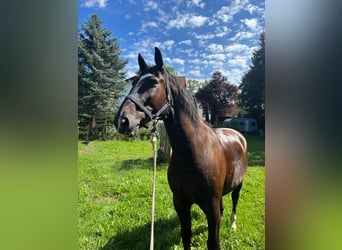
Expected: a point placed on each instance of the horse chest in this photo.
(189, 181)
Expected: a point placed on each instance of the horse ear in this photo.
(158, 58)
(142, 63)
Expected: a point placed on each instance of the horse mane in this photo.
(183, 98)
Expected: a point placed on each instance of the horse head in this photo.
(149, 98)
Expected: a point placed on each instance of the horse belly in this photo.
(236, 171)
(234, 145)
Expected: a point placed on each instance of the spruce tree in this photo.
(252, 87)
(100, 78)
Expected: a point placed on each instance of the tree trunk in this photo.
(165, 150)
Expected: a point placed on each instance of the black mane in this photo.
(183, 99)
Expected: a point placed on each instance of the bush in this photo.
(112, 134)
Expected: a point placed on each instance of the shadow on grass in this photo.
(166, 234)
(256, 150)
(141, 164)
(256, 158)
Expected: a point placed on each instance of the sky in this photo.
(196, 37)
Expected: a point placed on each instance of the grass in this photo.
(115, 200)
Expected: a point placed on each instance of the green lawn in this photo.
(115, 186)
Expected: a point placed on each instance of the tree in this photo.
(100, 78)
(252, 87)
(193, 85)
(219, 97)
(170, 69)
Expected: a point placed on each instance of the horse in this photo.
(205, 164)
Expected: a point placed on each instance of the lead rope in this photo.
(154, 146)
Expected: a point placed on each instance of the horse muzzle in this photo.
(126, 125)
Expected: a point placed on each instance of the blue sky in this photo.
(196, 37)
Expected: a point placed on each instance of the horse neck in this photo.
(182, 127)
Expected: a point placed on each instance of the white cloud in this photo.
(144, 26)
(167, 44)
(237, 48)
(222, 31)
(184, 52)
(251, 23)
(195, 61)
(187, 21)
(178, 61)
(94, 3)
(163, 16)
(176, 2)
(204, 36)
(127, 16)
(196, 73)
(186, 42)
(216, 48)
(226, 13)
(238, 61)
(253, 8)
(150, 5)
(217, 41)
(234, 75)
(197, 3)
(219, 32)
(145, 46)
(241, 35)
(132, 55)
(197, 21)
(216, 57)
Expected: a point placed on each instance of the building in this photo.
(242, 124)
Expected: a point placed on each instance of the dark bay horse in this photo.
(205, 163)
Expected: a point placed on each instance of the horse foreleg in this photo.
(235, 198)
(213, 214)
(183, 212)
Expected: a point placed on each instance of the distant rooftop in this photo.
(181, 80)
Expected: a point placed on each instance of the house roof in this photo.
(181, 80)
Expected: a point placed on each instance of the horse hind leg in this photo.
(221, 207)
(235, 198)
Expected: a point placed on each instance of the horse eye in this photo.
(147, 85)
(153, 83)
